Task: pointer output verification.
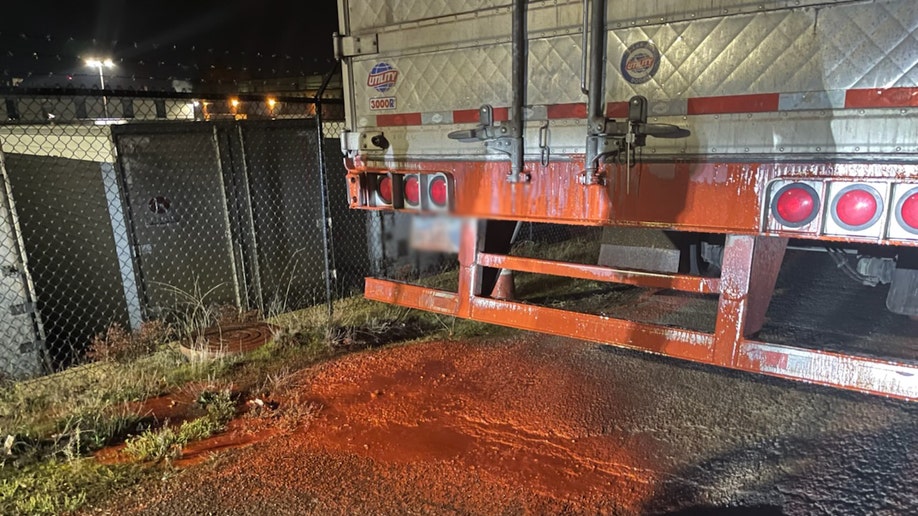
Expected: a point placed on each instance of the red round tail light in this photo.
(439, 193)
(795, 205)
(907, 211)
(857, 207)
(412, 190)
(384, 189)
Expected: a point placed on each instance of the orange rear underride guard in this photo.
(710, 197)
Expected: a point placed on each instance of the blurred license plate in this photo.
(435, 233)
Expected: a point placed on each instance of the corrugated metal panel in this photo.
(708, 48)
(834, 48)
(780, 51)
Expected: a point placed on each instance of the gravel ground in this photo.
(544, 425)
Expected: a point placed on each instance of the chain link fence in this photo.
(116, 210)
(120, 209)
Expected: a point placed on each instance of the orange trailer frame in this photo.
(730, 198)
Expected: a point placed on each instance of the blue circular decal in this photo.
(382, 77)
(640, 62)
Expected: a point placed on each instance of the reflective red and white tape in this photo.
(867, 98)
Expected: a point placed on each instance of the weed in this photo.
(226, 315)
(192, 312)
(154, 444)
(167, 443)
(219, 406)
(279, 381)
(70, 436)
(280, 301)
(52, 487)
(120, 345)
(92, 429)
(298, 413)
(47, 424)
(84, 407)
(197, 429)
(289, 414)
(578, 250)
(204, 390)
(377, 332)
(297, 336)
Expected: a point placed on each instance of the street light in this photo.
(100, 64)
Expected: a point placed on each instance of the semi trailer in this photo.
(731, 127)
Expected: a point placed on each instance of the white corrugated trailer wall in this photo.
(455, 55)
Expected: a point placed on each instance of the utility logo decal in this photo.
(640, 62)
(382, 77)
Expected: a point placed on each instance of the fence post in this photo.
(327, 237)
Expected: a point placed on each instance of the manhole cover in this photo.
(229, 339)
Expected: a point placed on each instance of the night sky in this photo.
(45, 43)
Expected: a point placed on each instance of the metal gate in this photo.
(286, 202)
(225, 213)
(173, 187)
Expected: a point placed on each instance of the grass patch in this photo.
(39, 408)
(48, 425)
(54, 487)
(154, 445)
(167, 442)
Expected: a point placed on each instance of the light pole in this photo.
(100, 64)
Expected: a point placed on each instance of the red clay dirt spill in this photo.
(462, 427)
(473, 405)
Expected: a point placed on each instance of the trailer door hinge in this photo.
(347, 46)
